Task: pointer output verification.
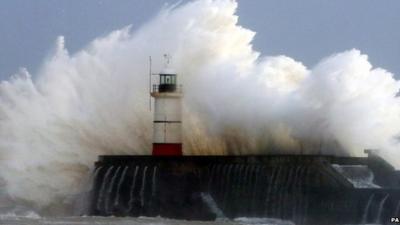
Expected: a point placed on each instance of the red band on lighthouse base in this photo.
(167, 149)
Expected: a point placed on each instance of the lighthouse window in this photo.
(167, 79)
(162, 79)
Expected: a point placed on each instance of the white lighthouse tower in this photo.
(167, 128)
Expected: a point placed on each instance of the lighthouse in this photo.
(167, 124)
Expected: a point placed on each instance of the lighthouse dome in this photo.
(168, 71)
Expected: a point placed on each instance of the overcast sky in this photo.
(306, 30)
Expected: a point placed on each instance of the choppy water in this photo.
(32, 220)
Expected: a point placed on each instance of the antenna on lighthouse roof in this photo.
(150, 82)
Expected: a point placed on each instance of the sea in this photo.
(90, 220)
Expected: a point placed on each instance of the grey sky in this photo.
(306, 30)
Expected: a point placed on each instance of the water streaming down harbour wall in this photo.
(305, 189)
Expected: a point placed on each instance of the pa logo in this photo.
(395, 220)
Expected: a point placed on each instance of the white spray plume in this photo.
(53, 127)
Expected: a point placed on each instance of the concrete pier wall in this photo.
(307, 189)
